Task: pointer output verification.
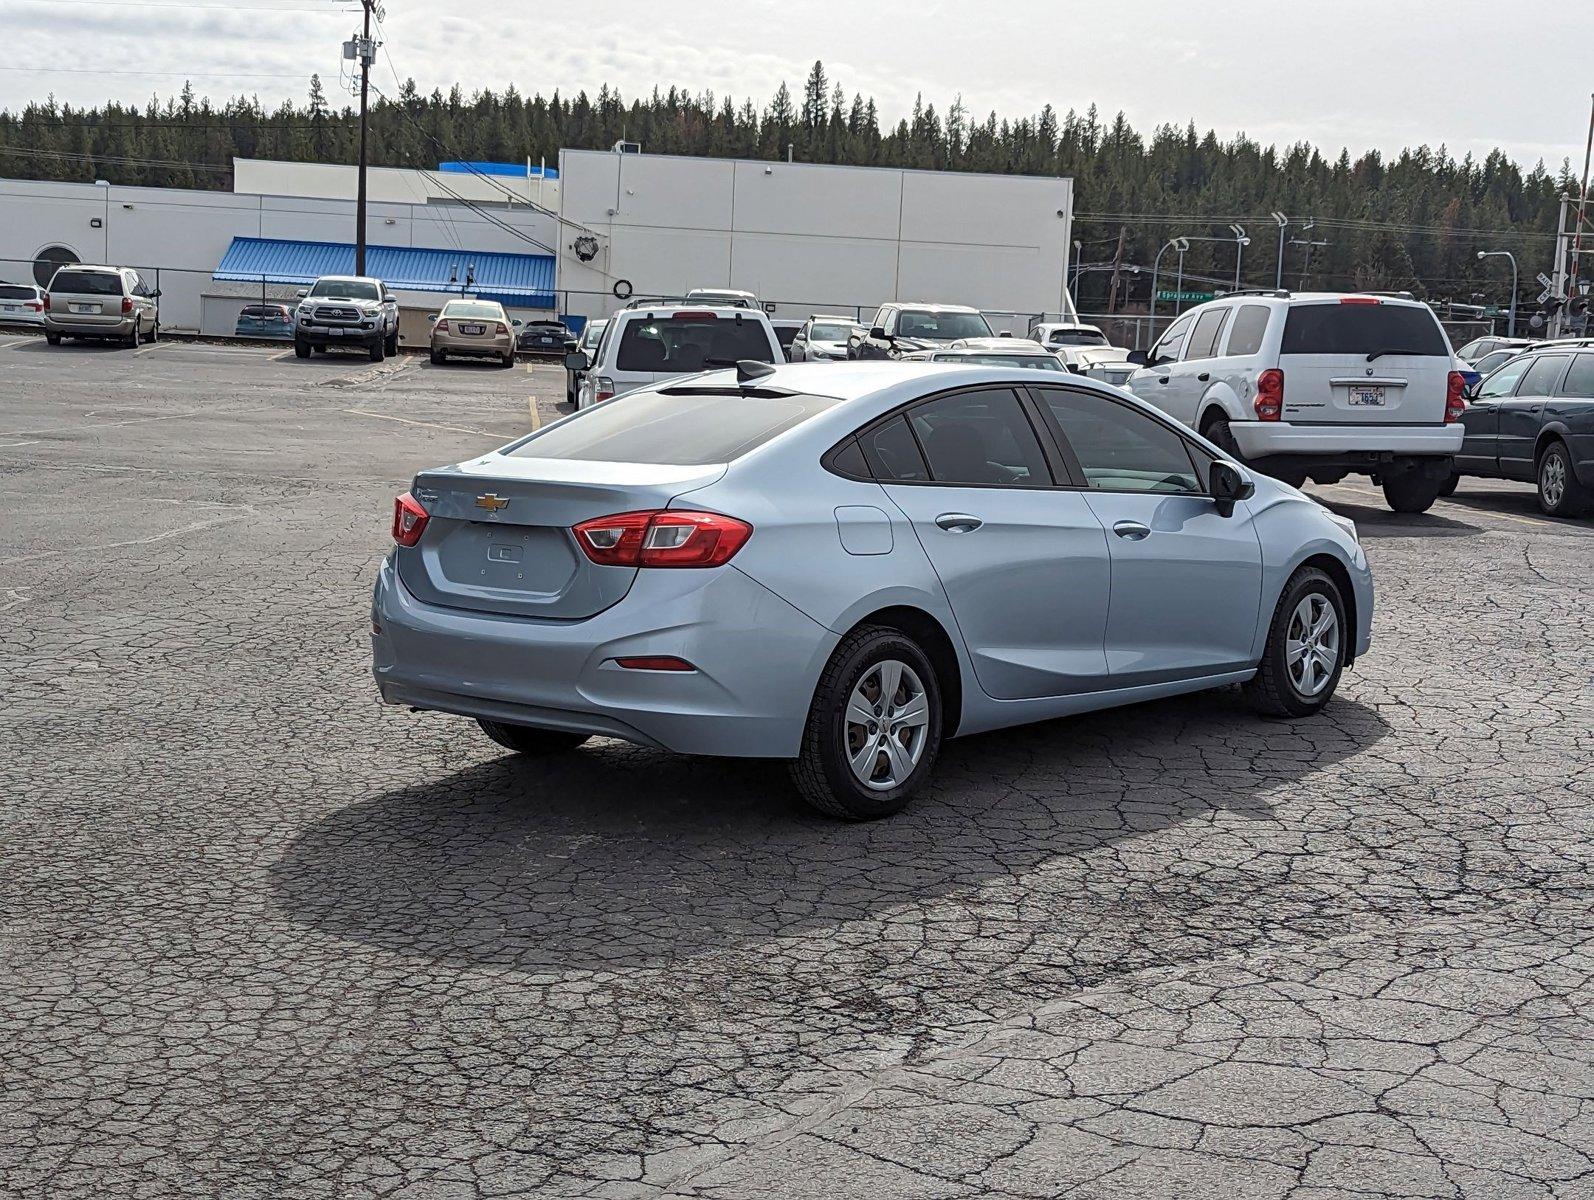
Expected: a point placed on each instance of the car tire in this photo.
(154, 334)
(1560, 493)
(1411, 491)
(390, 347)
(378, 352)
(53, 339)
(1216, 430)
(525, 740)
(860, 668)
(301, 349)
(438, 358)
(1448, 487)
(1281, 688)
(509, 361)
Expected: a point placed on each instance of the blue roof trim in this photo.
(523, 280)
(506, 170)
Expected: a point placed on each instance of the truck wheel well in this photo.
(1336, 571)
(929, 633)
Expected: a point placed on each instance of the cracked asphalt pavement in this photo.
(262, 937)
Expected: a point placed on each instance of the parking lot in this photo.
(263, 937)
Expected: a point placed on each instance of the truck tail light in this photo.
(46, 301)
(1269, 402)
(662, 538)
(127, 305)
(1455, 402)
(409, 520)
(602, 388)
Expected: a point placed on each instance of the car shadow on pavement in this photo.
(614, 855)
(1374, 522)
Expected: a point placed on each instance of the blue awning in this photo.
(521, 280)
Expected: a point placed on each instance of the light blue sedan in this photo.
(842, 565)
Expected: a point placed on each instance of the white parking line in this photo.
(360, 412)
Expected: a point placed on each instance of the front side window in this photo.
(1504, 381)
(1120, 449)
(686, 430)
(1167, 348)
(591, 335)
(687, 343)
(1541, 378)
(1204, 337)
(1492, 360)
(980, 438)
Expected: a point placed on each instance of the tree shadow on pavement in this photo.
(615, 856)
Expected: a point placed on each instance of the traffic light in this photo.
(1577, 313)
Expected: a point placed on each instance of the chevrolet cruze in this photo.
(843, 565)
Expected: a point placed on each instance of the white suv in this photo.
(656, 340)
(1316, 386)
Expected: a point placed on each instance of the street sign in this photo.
(1544, 295)
(1545, 281)
(1169, 296)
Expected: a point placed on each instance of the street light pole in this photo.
(1240, 243)
(1177, 243)
(1283, 224)
(1511, 318)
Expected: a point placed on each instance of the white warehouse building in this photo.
(576, 241)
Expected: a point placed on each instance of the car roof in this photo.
(353, 279)
(834, 317)
(932, 307)
(92, 267)
(1000, 345)
(719, 310)
(1079, 325)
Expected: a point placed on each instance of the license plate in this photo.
(1367, 397)
(85, 308)
(12, 308)
(473, 329)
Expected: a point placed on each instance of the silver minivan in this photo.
(109, 303)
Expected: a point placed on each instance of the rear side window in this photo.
(980, 438)
(1250, 325)
(689, 430)
(1204, 337)
(1580, 379)
(685, 343)
(1543, 375)
(87, 283)
(1363, 329)
(892, 454)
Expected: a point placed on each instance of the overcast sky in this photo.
(1471, 74)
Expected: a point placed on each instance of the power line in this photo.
(145, 4)
(118, 159)
(170, 74)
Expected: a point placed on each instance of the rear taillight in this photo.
(1269, 402)
(1455, 402)
(500, 328)
(46, 301)
(602, 388)
(662, 538)
(655, 662)
(441, 326)
(409, 520)
(127, 305)
(34, 306)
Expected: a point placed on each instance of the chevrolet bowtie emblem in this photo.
(492, 502)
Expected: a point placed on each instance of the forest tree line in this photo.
(1413, 221)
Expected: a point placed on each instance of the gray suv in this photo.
(347, 310)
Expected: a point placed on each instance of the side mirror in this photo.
(302, 293)
(1075, 368)
(155, 295)
(576, 361)
(432, 318)
(517, 324)
(1227, 485)
(878, 333)
(1138, 357)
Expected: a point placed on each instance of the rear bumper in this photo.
(83, 327)
(492, 348)
(757, 661)
(1263, 439)
(32, 319)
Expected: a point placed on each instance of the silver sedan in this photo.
(845, 565)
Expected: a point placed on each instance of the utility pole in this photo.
(1117, 270)
(1582, 201)
(363, 50)
(1306, 261)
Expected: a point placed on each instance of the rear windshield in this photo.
(682, 344)
(10, 291)
(647, 427)
(472, 308)
(345, 290)
(1034, 362)
(1363, 329)
(87, 283)
(1075, 337)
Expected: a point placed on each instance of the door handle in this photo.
(958, 522)
(1204, 376)
(1133, 530)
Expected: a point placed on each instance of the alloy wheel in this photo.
(1311, 644)
(887, 724)
(1552, 480)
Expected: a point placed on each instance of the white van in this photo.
(1316, 386)
(648, 343)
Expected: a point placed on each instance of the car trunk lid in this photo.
(1364, 361)
(498, 537)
